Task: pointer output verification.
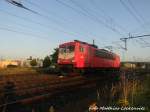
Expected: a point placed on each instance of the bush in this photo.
(46, 62)
(33, 62)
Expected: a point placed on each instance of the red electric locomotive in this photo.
(83, 56)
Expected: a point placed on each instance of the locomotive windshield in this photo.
(67, 49)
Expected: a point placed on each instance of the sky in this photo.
(36, 33)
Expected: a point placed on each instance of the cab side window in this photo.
(81, 49)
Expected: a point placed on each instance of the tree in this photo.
(33, 62)
(54, 56)
(46, 62)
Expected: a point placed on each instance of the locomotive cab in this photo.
(66, 53)
(72, 55)
(66, 56)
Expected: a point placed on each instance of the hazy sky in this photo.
(24, 33)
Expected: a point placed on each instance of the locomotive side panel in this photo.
(82, 55)
(117, 62)
(104, 59)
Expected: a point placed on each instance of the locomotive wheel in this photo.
(79, 71)
(63, 72)
(82, 72)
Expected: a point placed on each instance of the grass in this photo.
(142, 97)
(17, 70)
(138, 92)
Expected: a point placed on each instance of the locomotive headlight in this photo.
(81, 57)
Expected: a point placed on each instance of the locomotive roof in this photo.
(72, 43)
(107, 51)
(95, 46)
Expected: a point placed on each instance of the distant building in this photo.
(129, 65)
(39, 62)
(26, 63)
(5, 63)
(20, 63)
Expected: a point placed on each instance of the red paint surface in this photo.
(87, 59)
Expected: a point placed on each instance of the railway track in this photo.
(27, 88)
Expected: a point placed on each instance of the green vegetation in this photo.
(46, 62)
(54, 56)
(142, 97)
(33, 62)
(138, 92)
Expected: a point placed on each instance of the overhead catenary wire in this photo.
(139, 18)
(139, 15)
(50, 13)
(106, 16)
(69, 22)
(47, 26)
(71, 33)
(145, 43)
(31, 3)
(131, 12)
(33, 22)
(39, 14)
(139, 42)
(13, 2)
(88, 14)
(23, 33)
(74, 9)
(96, 18)
(85, 13)
(77, 34)
(136, 30)
(136, 11)
(132, 37)
(23, 26)
(139, 36)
